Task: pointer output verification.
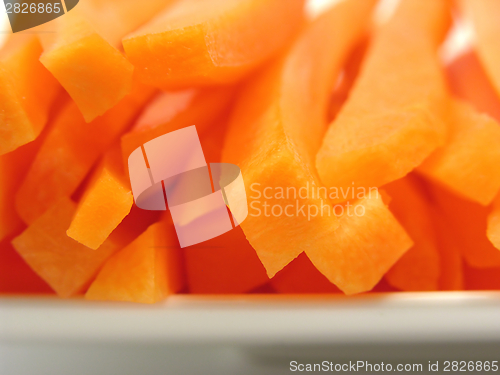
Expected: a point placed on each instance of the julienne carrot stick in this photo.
(211, 42)
(254, 132)
(13, 169)
(419, 268)
(228, 263)
(451, 262)
(468, 221)
(173, 110)
(67, 266)
(476, 143)
(146, 271)
(471, 152)
(493, 230)
(396, 113)
(467, 164)
(268, 140)
(260, 123)
(222, 265)
(16, 276)
(83, 51)
(70, 150)
(484, 17)
(63, 263)
(470, 82)
(27, 92)
(482, 278)
(107, 200)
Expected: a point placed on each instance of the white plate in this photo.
(260, 319)
(253, 334)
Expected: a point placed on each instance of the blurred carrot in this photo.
(300, 276)
(171, 111)
(468, 221)
(207, 42)
(13, 169)
(493, 230)
(67, 266)
(451, 260)
(419, 268)
(222, 265)
(482, 278)
(16, 277)
(484, 16)
(468, 163)
(469, 81)
(348, 79)
(63, 263)
(146, 271)
(228, 263)
(27, 92)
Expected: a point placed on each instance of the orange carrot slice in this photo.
(222, 265)
(82, 51)
(212, 141)
(200, 42)
(347, 79)
(67, 266)
(493, 230)
(16, 277)
(13, 169)
(171, 111)
(301, 277)
(469, 223)
(368, 242)
(397, 106)
(451, 262)
(106, 202)
(384, 287)
(468, 163)
(419, 268)
(482, 278)
(108, 199)
(268, 139)
(469, 81)
(69, 152)
(63, 263)
(225, 264)
(484, 16)
(146, 271)
(27, 91)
